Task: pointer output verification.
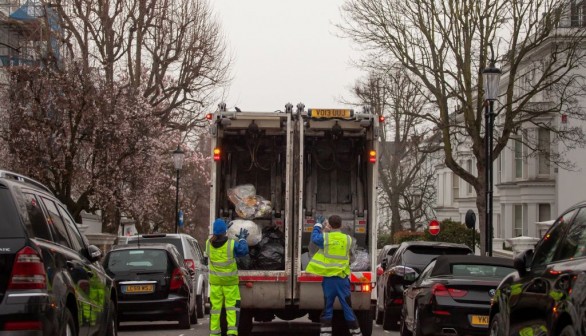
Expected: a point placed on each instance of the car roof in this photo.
(151, 246)
(443, 263)
(13, 178)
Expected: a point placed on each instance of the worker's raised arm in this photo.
(241, 246)
(317, 237)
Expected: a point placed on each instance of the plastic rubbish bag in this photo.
(254, 230)
(361, 261)
(271, 250)
(249, 205)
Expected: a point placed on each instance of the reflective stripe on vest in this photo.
(334, 258)
(223, 269)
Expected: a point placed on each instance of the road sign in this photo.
(180, 223)
(434, 227)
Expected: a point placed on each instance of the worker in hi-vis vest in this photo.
(332, 261)
(224, 290)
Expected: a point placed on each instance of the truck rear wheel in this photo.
(245, 322)
(365, 321)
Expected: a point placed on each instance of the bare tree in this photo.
(446, 44)
(395, 96)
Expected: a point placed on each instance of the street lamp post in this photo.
(491, 76)
(178, 156)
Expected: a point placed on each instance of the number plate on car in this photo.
(479, 320)
(138, 289)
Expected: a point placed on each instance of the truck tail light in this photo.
(209, 116)
(361, 287)
(28, 271)
(217, 154)
(372, 156)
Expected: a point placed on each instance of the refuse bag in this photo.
(245, 263)
(249, 205)
(254, 230)
(361, 261)
(271, 250)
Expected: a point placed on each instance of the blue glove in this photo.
(319, 220)
(243, 234)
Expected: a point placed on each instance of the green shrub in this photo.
(450, 231)
(407, 235)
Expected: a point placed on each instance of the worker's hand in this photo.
(319, 220)
(243, 234)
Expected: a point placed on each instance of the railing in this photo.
(6, 61)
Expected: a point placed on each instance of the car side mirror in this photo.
(94, 253)
(522, 261)
(205, 261)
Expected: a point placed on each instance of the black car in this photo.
(51, 281)
(547, 294)
(410, 257)
(153, 283)
(452, 295)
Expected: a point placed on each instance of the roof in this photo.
(433, 243)
(153, 246)
(443, 262)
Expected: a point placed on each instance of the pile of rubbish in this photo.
(248, 204)
(266, 245)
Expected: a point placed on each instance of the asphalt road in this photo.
(301, 327)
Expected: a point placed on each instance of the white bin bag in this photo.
(254, 230)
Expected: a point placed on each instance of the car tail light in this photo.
(379, 271)
(28, 271)
(176, 279)
(23, 325)
(397, 301)
(190, 264)
(442, 290)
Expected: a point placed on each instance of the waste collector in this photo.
(332, 261)
(224, 291)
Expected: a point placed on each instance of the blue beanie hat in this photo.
(219, 226)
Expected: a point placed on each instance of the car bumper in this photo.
(169, 309)
(458, 322)
(19, 310)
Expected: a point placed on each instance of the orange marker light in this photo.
(217, 153)
(372, 156)
(381, 119)
(209, 116)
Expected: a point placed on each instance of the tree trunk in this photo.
(395, 213)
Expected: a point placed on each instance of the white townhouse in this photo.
(528, 187)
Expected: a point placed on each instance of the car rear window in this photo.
(422, 255)
(164, 240)
(10, 226)
(481, 271)
(137, 260)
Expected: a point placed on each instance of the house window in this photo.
(518, 220)
(455, 187)
(544, 212)
(469, 168)
(518, 159)
(499, 168)
(543, 154)
(578, 14)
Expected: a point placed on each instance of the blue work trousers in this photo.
(336, 287)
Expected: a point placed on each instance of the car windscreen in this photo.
(150, 260)
(480, 271)
(420, 256)
(165, 240)
(10, 225)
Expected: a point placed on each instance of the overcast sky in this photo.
(286, 51)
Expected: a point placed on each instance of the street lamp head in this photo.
(178, 156)
(492, 76)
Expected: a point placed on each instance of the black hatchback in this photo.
(547, 294)
(153, 283)
(51, 281)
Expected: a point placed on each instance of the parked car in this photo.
(191, 251)
(452, 295)
(51, 281)
(153, 283)
(547, 294)
(410, 256)
(384, 254)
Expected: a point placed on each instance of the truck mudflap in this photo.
(264, 289)
(311, 293)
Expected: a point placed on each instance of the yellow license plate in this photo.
(140, 289)
(479, 320)
(331, 113)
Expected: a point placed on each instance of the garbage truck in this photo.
(307, 163)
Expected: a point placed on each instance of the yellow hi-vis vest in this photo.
(223, 269)
(334, 258)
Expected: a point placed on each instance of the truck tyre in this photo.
(245, 322)
(339, 325)
(199, 306)
(380, 314)
(365, 321)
